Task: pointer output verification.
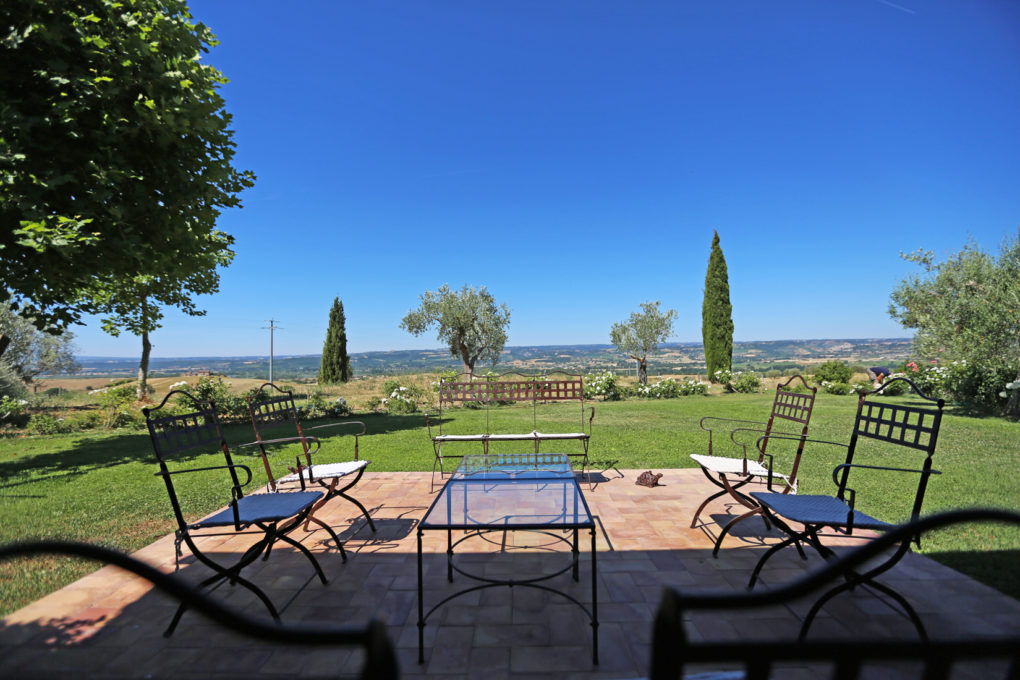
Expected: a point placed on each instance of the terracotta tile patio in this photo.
(110, 624)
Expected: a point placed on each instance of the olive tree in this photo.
(967, 308)
(30, 352)
(469, 321)
(641, 335)
(115, 157)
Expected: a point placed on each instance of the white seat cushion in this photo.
(730, 466)
(460, 437)
(326, 471)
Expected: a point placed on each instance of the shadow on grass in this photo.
(999, 569)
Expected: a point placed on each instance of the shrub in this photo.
(13, 411)
(982, 387)
(401, 398)
(861, 387)
(896, 388)
(213, 388)
(319, 406)
(42, 423)
(601, 385)
(115, 399)
(747, 383)
(670, 388)
(835, 387)
(833, 371)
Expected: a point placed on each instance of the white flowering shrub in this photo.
(601, 386)
(670, 388)
(401, 398)
(831, 387)
(13, 411)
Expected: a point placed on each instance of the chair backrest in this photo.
(271, 407)
(672, 649)
(905, 425)
(176, 434)
(794, 407)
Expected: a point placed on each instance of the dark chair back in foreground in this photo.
(380, 659)
(673, 650)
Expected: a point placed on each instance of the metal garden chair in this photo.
(270, 516)
(673, 650)
(380, 657)
(906, 428)
(731, 474)
(272, 409)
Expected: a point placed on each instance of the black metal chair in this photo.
(271, 516)
(731, 474)
(673, 650)
(268, 413)
(802, 516)
(380, 658)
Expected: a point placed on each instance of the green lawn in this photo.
(101, 488)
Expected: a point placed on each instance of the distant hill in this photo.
(688, 358)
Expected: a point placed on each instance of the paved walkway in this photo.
(110, 623)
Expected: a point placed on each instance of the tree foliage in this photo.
(115, 157)
(717, 314)
(32, 352)
(966, 308)
(469, 321)
(336, 365)
(641, 335)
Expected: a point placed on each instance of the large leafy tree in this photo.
(115, 153)
(30, 352)
(469, 321)
(641, 335)
(336, 365)
(966, 308)
(717, 314)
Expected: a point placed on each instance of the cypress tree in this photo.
(336, 365)
(717, 314)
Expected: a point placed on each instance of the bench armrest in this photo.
(344, 423)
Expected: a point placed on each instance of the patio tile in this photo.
(109, 624)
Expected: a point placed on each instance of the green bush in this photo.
(670, 388)
(833, 371)
(229, 407)
(42, 423)
(982, 387)
(401, 398)
(747, 383)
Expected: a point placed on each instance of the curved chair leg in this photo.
(336, 539)
(694, 522)
(309, 555)
(726, 529)
(364, 511)
(765, 558)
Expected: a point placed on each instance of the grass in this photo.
(101, 488)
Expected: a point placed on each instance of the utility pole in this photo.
(271, 327)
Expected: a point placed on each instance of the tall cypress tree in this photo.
(336, 365)
(717, 314)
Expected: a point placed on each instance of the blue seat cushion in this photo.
(263, 507)
(816, 510)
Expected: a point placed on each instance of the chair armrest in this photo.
(342, 424)
(247, 469)
(701, 423)
(428, 425)
(590, 418)
(798, 438)
(844, 466)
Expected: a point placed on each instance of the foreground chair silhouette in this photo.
(380, 659)
(271, 412)
(672, 650)
(731, 474)
(273, 516)
(802, 517)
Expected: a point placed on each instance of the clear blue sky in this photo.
(575, 158)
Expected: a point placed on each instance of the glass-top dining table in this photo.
(535, 492)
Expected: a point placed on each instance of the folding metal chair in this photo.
(908, 428)
(673, 649)
(268, 413)
(271, 515)
(731, 474)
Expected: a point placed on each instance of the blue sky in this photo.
(575, 158)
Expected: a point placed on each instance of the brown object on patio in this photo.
(648, 478)
(730, 474)
(269, 412)
(673, 649)
(905, 429)
(271, 515)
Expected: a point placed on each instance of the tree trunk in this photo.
(469, 369)
(642, 371)
(143, 368)
(4, 341)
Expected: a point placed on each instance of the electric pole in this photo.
(271, 327)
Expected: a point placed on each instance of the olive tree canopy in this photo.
(642, 334)
(469, 322)
(115, 153)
